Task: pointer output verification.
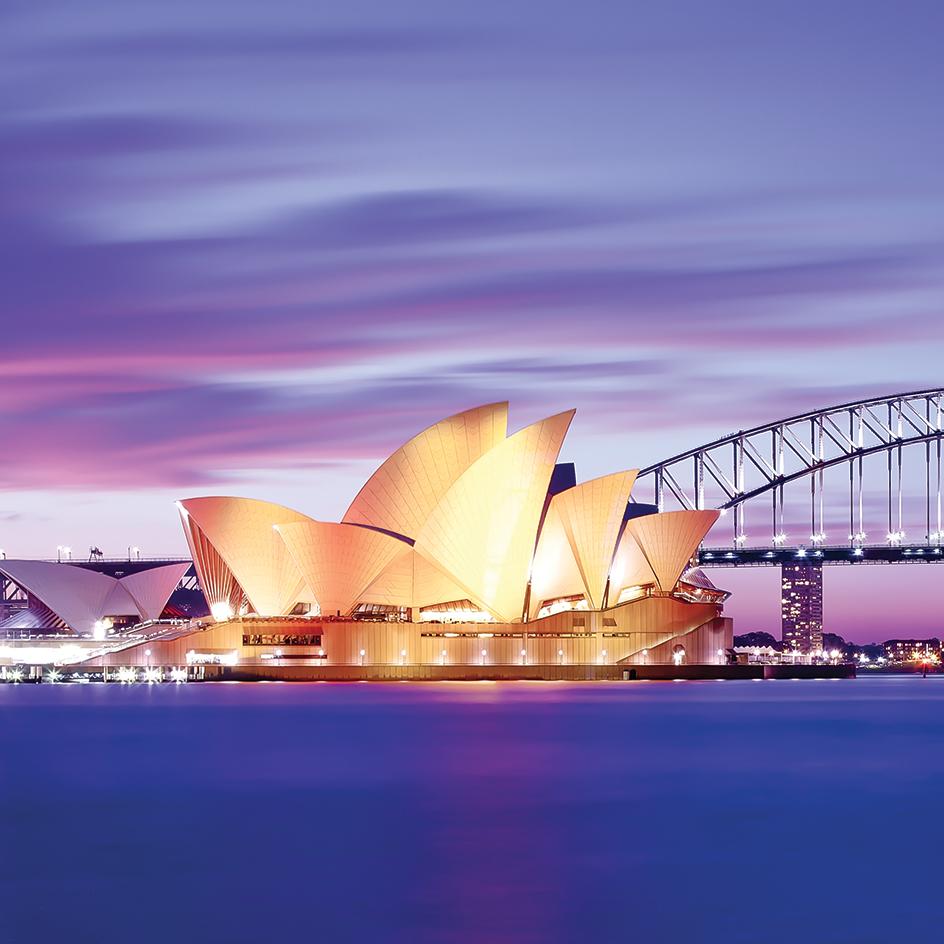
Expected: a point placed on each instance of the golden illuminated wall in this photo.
(484, 529)
(592, 514)
(642, 632)
(240, 531)
(668, 540)
(400, 495)
(339, 561)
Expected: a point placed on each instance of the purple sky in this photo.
(249, 248)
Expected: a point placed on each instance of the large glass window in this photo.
(281, 639)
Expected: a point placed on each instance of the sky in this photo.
(251, 248)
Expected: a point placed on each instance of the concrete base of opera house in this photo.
(269, 672)
(658, 630)
(518, 673)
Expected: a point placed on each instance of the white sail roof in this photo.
(80, 596)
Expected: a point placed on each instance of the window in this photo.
(281, 639)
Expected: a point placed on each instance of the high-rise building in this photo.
(801, 607)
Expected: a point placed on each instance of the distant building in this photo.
(911, 650)
(801, 607)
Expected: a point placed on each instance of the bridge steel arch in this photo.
(747, 465)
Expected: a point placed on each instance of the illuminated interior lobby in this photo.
(467, 546)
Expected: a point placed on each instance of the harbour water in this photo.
(775, 811)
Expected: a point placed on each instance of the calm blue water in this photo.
(697, 811)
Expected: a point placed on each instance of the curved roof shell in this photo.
(80, 597)
(554, 573)
(591, 514)
(410, 580)
(240, 531)
(630, 567)
(460, 512)
(483, 531)
(151, 589)
(339, 561)
(402, 493)
(668, 540)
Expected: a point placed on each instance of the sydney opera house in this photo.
(467, 546)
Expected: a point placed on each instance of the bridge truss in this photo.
(755, 465)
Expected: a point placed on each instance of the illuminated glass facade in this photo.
(801, 607)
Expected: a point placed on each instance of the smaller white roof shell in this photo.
(81, 597)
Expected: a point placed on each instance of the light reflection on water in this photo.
(473, 812)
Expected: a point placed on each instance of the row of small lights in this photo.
(483, 655)
(893, 538)
(126, 674)
(129, 675)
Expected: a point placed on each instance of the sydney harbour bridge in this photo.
(856, 483)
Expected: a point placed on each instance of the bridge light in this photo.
(801, 552)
